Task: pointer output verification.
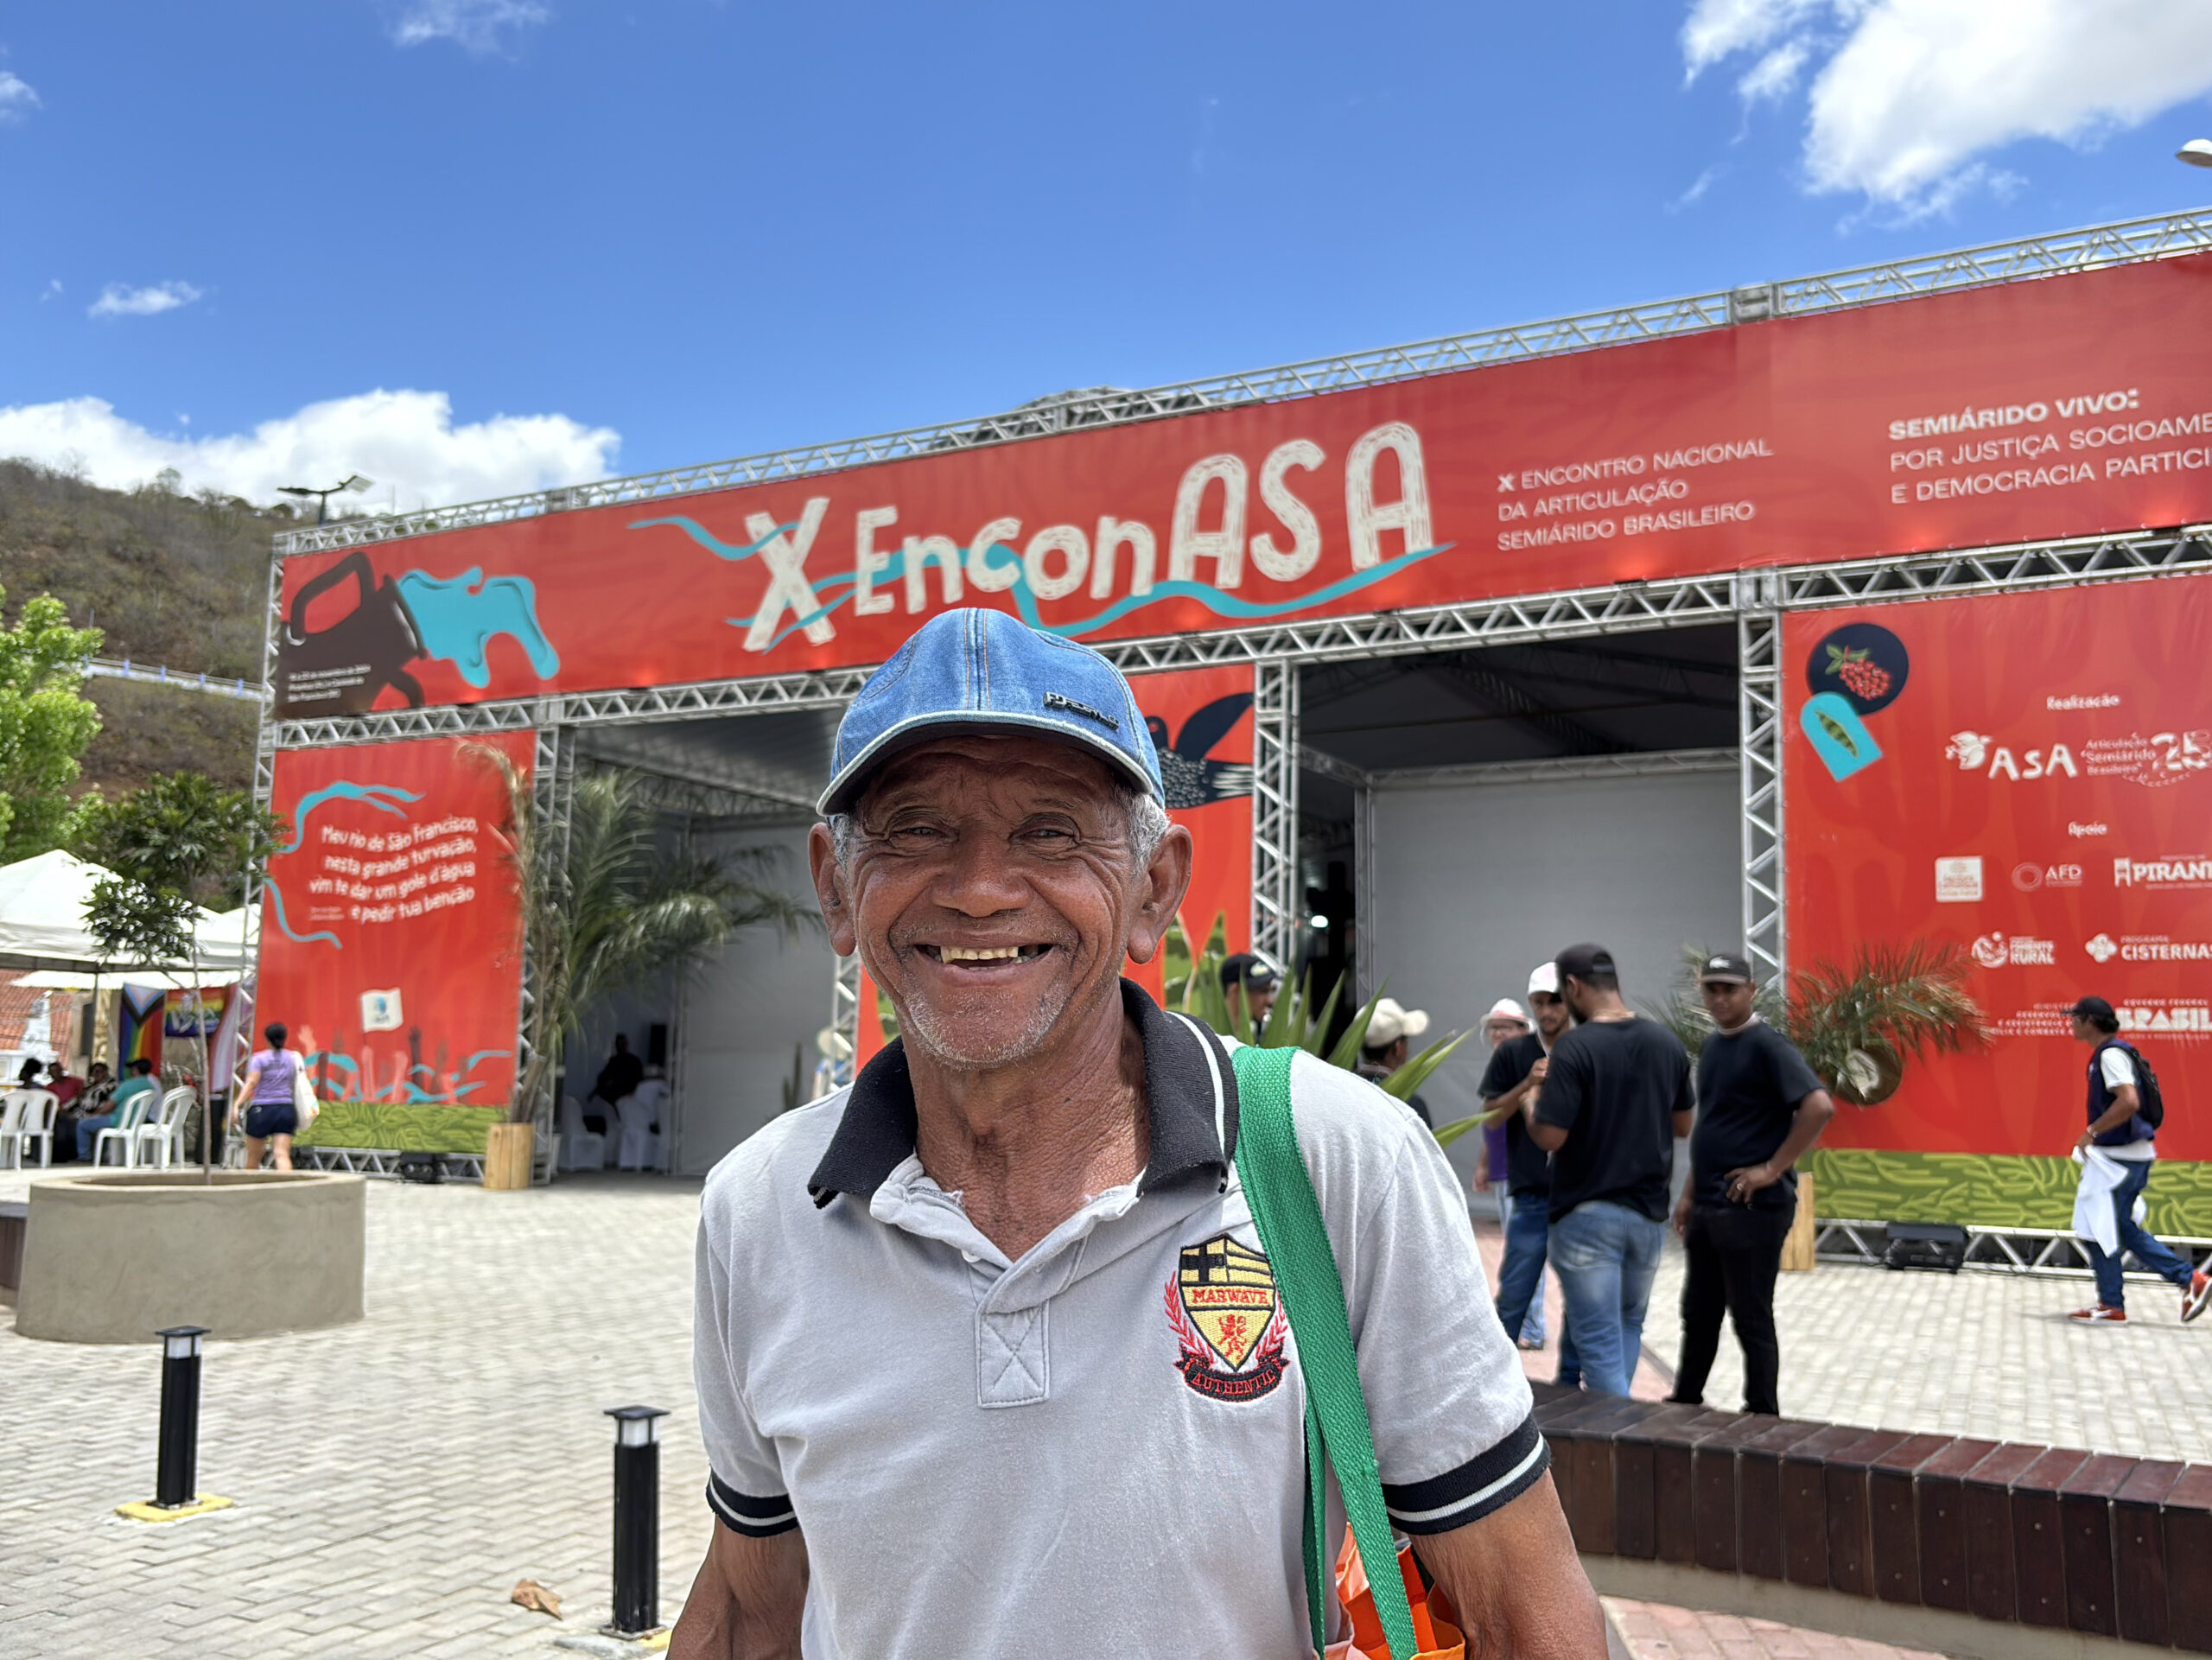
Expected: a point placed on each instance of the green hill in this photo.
(170, 579)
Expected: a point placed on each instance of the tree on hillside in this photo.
(45, 724)
(180, 843)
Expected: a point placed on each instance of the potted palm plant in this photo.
(1295, 1022)
(617, 910)
(1856, 1024)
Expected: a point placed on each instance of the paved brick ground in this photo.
(396, 1477)
(1651, 1630)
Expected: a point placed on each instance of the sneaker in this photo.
(2197, 1294)
(2100, 1314)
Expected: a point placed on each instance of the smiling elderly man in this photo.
(953, 1402)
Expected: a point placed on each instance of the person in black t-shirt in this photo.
(1513, 1082)
(619, 1078)
(1760, 1109)
(1614, 1098)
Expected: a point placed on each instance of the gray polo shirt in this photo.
(1099, 1448)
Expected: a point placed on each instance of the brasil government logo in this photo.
(1222, 1302)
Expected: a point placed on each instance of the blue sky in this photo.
(674, 231)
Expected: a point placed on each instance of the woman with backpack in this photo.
(2125, 1109)
(273, 1078)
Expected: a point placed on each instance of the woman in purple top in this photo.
(270, 1116)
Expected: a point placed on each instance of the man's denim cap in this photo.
(972, 670)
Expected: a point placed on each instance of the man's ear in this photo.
(1164, 882)
(829, 891)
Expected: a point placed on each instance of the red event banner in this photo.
(390, 923)
(2064, 405)
(2029, 777)
(1201, 723)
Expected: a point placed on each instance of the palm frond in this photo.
(616, 909)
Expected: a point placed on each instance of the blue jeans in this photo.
(1521, 1281)
(2132, 1237)
(1605, 1256)
(87, 1129)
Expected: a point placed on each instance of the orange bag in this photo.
(1440, 1639)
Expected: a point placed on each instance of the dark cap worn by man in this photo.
(1249, 987)
(969, 1377)
(1615, 1096)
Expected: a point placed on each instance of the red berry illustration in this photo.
(1866, 680)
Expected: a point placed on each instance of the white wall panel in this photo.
(742, 1016)
(1476, 884)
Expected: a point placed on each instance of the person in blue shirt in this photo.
(142, 1081)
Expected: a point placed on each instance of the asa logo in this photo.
(2030, 876)
(1972, 749)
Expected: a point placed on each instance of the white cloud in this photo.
(17, 100)
(1718, 28)
(478, 26)
(120, 299)
(1910, 92)
(1775, 75)
(405, 441)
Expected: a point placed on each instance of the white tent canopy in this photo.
(42, 917)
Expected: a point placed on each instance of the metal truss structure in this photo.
(845, 1002)
(1633, 763)
(552, 790)
(1277, 912)
(2094, 248)
(2014, 568)
(109, 668)
(1759, 728)
(2042, 1252)
(385, 1161)
(692, 701)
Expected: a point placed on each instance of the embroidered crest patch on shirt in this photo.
(1222, 1302)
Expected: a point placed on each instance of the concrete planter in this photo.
(113, 1259)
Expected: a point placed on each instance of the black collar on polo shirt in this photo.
(1190, 1094)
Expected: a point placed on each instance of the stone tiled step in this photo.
(2034, 1537)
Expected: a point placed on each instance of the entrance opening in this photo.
(732, 1037)
(1464, 815)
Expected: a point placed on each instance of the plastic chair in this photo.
(125, 1128)
(28, 1117)
(12, 1105)
(581, 1148)
(159, 1141)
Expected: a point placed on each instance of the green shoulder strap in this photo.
(1289, 1219)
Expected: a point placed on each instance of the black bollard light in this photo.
(177, 1471)
(637, 1519)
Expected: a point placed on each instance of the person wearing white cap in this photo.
(1391, 1031)
(1506, 1020)
(1515, 1076)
